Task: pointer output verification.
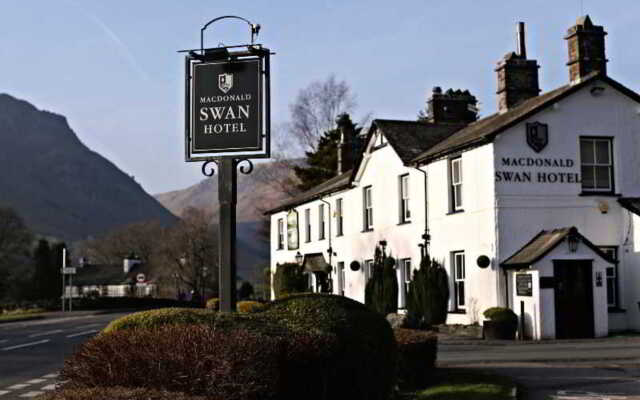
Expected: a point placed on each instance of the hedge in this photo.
(249, 306)
(117, 393)
(363, 364)
(163, 316)
(305, 346)
(213, 304)
(417, 351)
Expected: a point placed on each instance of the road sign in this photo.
(140, 277)
(69, 270)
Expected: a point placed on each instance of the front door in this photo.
(573, 299)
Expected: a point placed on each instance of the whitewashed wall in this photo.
(524, 209)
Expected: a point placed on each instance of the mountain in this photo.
(258, 191)
(268, 185)
(59, 186)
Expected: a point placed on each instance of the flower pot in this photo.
(500, 330)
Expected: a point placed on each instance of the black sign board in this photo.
(227, 106)
(524, 285)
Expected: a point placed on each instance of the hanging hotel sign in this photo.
(227, 104)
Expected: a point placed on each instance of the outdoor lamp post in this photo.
(383, 244)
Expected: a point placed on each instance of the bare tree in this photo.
(189, 250)
(316, 109)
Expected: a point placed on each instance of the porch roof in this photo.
(543, 243)
(315, 262)
(630, 203)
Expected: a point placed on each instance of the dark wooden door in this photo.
(573, 299)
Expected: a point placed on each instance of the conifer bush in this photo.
(428, 297)
(381, 290)
(161, 317)
(288, 279)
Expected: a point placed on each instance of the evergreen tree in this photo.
(54, 273)
(428, 297)
(42, 263)
(381, 291)
(322, 163)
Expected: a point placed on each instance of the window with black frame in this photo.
(280, 234)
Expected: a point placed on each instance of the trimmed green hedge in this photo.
(163, 316)
(501, 314)
(364, 359)
(314, 347)
(417, 352)
(249, 306)
(213, 304)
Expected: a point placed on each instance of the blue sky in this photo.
(111, 66)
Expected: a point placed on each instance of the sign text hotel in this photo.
(559, 175)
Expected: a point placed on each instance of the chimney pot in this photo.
(586, 49)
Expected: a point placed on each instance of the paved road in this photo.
(562, 370)
(32, 352)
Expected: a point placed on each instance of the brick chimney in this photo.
(517, 76)
(453, 107)
(347, 144)
(586, 49)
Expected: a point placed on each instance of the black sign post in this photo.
(227, 123)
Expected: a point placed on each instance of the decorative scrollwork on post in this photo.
(212, 170)
(245, 169)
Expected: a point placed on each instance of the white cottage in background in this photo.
(534, 208)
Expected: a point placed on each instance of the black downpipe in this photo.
(426, 237)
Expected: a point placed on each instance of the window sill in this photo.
(322, 238)
(454, 212)
(340, 235)
(367, 230)
(404, 222)
(616, 310)
(461, 312)
(280, 248)
(603, 194)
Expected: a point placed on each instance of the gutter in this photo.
(426, 236)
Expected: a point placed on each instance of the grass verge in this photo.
(21, 315)
(453, 384)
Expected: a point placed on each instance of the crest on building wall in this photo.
(225, 82)
(537, 136)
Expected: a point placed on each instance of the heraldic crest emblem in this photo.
(225, 82)
(537, 136)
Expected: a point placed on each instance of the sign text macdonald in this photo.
(537, 177)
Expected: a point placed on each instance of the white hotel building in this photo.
(534, 208)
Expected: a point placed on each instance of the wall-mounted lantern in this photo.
(299, 258)
(573, 240)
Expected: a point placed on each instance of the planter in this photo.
(499, 330)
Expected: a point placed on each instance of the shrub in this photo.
(501, 314)
(213, 304)
(163, 316)
(361, 362)
(428, 297)
(417, 352)
(381, 291)
(245, 291)
(102, 303)
(117, 393)
(250, 306)
(347, 350)
(195, 359)
(289, 278)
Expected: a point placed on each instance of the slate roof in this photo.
(332, 185)
(630, 203)
(411, 138)
(90, 275)
(543, 243)
(486, 129)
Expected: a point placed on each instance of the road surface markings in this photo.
(46, 333)
(50, 376)
(87, 326)
(33, 393)
(4, 392)
(34, 381)
(83, 333)
(49, 387)
(18, 386)
(4, 340)
(575, 395)
(25, 345)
